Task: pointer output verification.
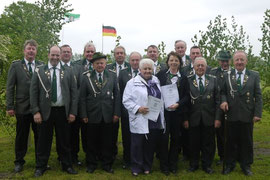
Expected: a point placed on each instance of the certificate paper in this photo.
(154, 105)
(170, 94)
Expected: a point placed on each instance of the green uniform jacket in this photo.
(41, 103)
(112, 66)
(101, 100)
(18, 83)
(205, 106)
(246, 103)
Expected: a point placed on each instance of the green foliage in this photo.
(4, 42)
(41, 21)
(219, 36)
(265, 51)
(266, 98)
(162, 54)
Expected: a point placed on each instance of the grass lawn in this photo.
(260, 168)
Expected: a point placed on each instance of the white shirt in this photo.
(155, 66)
(175, 78)
(97, 74)
(63, 63)
(242, 75)
(133, 73)
(198, 81)
(184, 60)
(32, 65)
(60, 101)
(118, 67)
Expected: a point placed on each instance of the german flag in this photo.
(108, 31)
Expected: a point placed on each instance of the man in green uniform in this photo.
(18, 100)
(152, 53)
(53, 99)
(242, 101)
(180, 48)
(119, 53)
(100, 108)
(224, 59)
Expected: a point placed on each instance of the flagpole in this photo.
(102, 37)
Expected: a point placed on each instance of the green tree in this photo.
(220, 36)
(41, 21)
(265, 51)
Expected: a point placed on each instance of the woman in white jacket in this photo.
(145, 134)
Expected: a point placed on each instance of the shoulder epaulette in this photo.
(84, 73)
(112, 70)
(16, 61)
(210, 75)
(124, 68)
(39, 65)
(189, 76)
(215, 68)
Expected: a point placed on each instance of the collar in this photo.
(122, 65)
(26, 62)
(58, 66)
(178, 73)
(155, 63)
(132, 70)
(191, 65)
(97, 73)
(203, 77)
(63, 63)
(243, 72)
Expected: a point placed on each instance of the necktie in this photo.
(30, 69)
(135, 72)
(99, 78)
(89, 66)
(54, 86)
(201, 86)
(65, 65)
(239, 81)
(172, 75)
(120, 67)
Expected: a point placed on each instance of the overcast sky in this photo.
(144, 22)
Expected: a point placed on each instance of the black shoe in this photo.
(70, 170)
(247, 172)
(173, 171)
(185, 158)
(208, 170)
(192, 169)
(90, 170)
(166, 172)
(18, 168)
(39, 172)
(77, 162)
(219, 162)
(126, 166)
(108, 170)
(228, 170)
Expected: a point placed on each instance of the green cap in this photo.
(224, 55)
(97, 56)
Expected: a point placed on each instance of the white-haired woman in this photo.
(145, 133)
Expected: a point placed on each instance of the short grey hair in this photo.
(89, 44)
(135, 52)
(119, 47)
(240, 51)
(146, 61)
(200, 58)
(177, 41)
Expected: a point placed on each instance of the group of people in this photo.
(88, 98)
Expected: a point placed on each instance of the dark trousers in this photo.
(22, 133)
(143, 147)
(184, 141)
(99, 143)
(220, 138)
(125, 136)
(115, 138)
(173, 122)
(58, 119)
(75, 137)
(202, 141)
(239, 144)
